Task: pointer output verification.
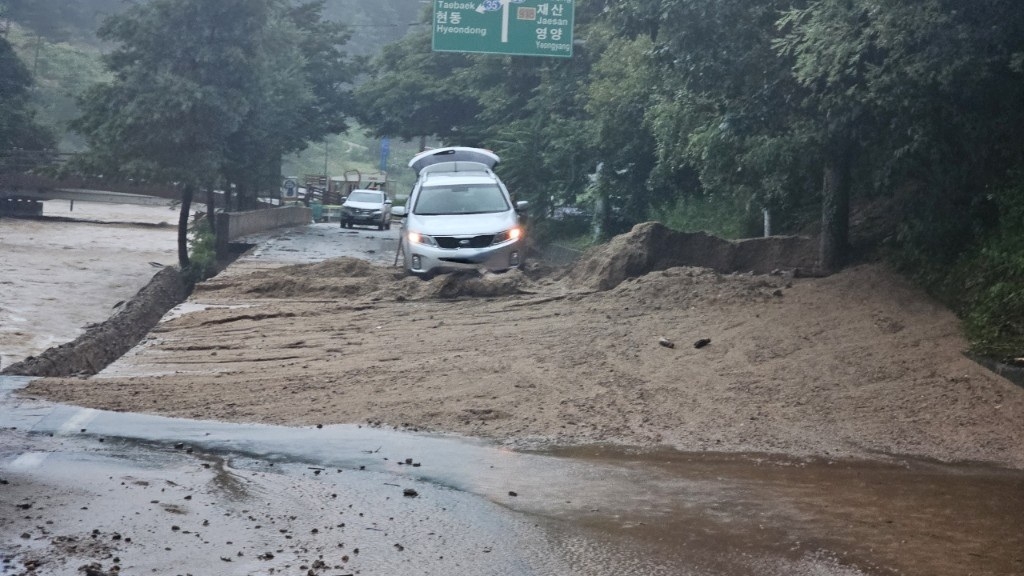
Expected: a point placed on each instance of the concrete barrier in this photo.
(235, 225)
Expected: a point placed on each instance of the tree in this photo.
(410, 92)
(618, 98)
(207, 89)
(178, 93)
(529, 110)
(922, 94)
(301, 93)
(58, 20)
(721, 107)
(18, 128)
(545, 155)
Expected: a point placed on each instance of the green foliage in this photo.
(726, 216)
(60, 20)
(18, 126)
(213, 92)
(994, 292)
(179, 92)
(618, 98)
(995, 321)
(62, 72)
(568, 231)
(202, 252)
(205, 92)
(375, 24)
(543, 157)
(409, 94)
(975, 267)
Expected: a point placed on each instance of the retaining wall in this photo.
(235, 225)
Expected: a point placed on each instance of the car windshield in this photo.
(366, 196)
(460, 199)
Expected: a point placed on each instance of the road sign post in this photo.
(512, 27)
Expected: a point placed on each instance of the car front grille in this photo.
(451, 242)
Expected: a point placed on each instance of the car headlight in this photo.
(417, 238)
(508, 235)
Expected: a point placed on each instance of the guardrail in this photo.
(31, 185)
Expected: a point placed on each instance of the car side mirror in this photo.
(521, 205)
(388, 202)
(398, 211)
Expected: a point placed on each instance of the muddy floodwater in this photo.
(100, 492)
(249, 499)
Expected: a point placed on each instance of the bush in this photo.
(202, 252)
(994, 319)
(975, 265)
(725, 217)
(995, 322)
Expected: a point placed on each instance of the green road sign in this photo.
(516, 27)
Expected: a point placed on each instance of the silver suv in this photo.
(459, 214)
(366, 207)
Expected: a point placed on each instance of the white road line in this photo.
(77, 422)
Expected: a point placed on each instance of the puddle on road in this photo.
(482, 509)
(909, 517)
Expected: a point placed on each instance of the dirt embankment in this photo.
(857, 364)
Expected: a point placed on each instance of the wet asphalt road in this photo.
(154, 495)
(319, 242)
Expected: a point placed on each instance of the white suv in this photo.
(460, 214)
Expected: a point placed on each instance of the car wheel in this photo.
(381, 225)
(388, 225)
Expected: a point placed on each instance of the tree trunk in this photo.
(835, 211)
(186, 208)
(602, 206)
(242, 196)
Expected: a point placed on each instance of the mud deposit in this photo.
(859, 364)
(764, 424)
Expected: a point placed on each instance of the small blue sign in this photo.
(385, 151)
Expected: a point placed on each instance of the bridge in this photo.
(29, 178)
